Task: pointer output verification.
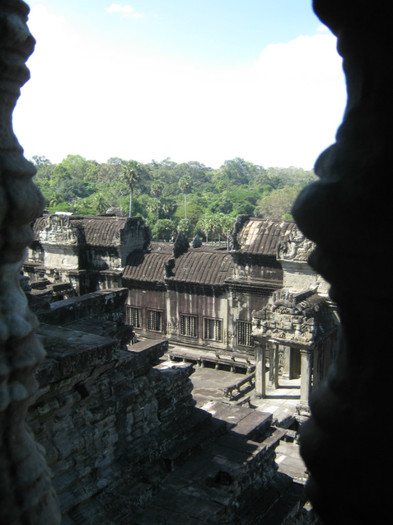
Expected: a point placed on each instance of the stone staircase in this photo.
(223, 473)
(230, 477)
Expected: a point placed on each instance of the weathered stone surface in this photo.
(88, 252)
(26, 494)
(295, 319)
(347, 213)
(104, 414)
(107, 304)
(293, 254)
(231, 480)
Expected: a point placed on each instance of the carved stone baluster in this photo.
(26, 494)
(347, 213)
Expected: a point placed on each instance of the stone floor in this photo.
(209, 386)
(280, 402)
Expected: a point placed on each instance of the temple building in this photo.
(84, 253)
(256, 304)
(346, 213)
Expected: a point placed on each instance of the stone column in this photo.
(347, 213)
(260, 369)
(306, 358)
(276, 365)
(26, 494)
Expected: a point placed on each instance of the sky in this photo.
(189, 80)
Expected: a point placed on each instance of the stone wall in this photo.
(108, 304)
(293, 254)
(88, 252)
(104, 415)
(26, 494)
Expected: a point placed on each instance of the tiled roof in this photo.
(101, 231)
(203, 267)
(197, 265)
(262, 236)
(146, 267)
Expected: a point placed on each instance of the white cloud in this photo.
(125, 10)
(88, 98)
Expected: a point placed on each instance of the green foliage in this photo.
(277, 204)
(185, 226)
(132, 171)
(167, 191)
(214, 226)
(162, 230)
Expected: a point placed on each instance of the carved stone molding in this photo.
(347, 213)
(26, 495)
(296, 248)
(58, 231)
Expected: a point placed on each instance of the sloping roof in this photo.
(204, 266)
(210, 268)
(102, 231)
(99, 231)
(146, 267)
(262, 236)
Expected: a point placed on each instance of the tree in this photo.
(185, 227)
(235, 172)
(151, 206)
(168, 207)
(100, 203)
(156, 192)
(277, 204)
(208, 224)
(185, 186)
(55, 200)
(44, 168)
(131, 174)
(162, 230)
(226, 223)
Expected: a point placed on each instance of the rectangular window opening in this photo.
(189, 325)
(154, 320)
(134, 316)
(213, 329)
(243, 330)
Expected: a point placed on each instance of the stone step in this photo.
(287, 505)
(251, 424)
(200, 429)
(209, 487)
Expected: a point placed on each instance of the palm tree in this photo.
(185, 186)
(55, 199)
(226, 225)
(156, 191)
(132, 172)
(207, 223)
(184, 226)
(152, 206)
(99, 203)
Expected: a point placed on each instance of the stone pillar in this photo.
(306, 358)
(276, 365)
(347, 213)
(26, 494)
(260, 369)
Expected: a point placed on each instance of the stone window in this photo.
(189, 325)
(212, 329)
(154, 320)
(243, 330)
(134, 316)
